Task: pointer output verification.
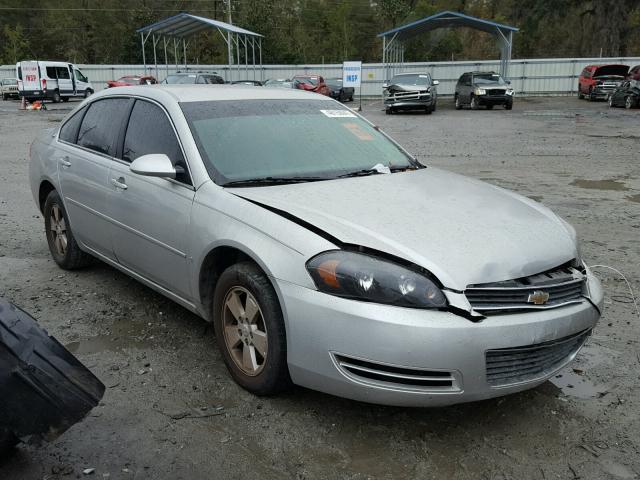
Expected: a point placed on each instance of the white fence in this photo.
(528, 77)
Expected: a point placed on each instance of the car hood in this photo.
(611, 71)
(462, 230)
(399, 87)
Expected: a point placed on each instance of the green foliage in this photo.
(315, 31)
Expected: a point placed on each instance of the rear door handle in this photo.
(119, 183)
(64, 161)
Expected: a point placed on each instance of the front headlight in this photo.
(480, 91)
(510, 91)
(363, 277)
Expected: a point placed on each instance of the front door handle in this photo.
(119, 183)
(64, 161)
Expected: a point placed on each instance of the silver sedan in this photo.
(324, 254)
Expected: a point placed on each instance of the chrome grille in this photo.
(495, 91)
(396, 376)
(507, 366)
(551, 289)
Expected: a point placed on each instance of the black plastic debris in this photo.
(44, 389)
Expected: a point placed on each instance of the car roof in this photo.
(206, 93)
(411, 73)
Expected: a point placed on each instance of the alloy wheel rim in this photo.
(245, 331)
(58, 229)
(628, 102)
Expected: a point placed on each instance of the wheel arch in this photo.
(220, 257)
(46, 187)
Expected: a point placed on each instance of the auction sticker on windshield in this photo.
(338, 113)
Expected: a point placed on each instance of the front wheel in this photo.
(250, 330)
(629, 103)
(62, 244)
(474, 103)
(508, 106)
(580, 94)
(458, 104)
(88, 92)
(592, 97)
(4, 96)
(56, 97)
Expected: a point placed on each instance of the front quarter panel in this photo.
(279, 246)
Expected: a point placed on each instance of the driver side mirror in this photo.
(385, 84)
(436, 82)
(153, 165)
(508, 82)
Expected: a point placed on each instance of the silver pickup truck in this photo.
(9, 88)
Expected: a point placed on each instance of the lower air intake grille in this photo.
(402, 377)
(506, 366)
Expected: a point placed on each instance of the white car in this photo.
(9, 88)
(324, 254)
(56, 81)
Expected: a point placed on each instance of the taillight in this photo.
(44, 84)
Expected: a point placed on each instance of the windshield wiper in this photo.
(271, 181)
(377, 170)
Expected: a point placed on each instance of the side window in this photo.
(101, 125)
(51, 72)
(63, 73)
(69, 131)
(79, 76)
(150, 131)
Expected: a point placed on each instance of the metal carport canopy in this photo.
(393, 50)
(182, 26)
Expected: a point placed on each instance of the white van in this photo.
(39, 80)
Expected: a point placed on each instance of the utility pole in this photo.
(228, 2)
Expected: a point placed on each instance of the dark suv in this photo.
(199, 78)
(483, 88)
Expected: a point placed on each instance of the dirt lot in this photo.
(159, 361)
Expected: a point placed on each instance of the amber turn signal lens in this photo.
(327, 271)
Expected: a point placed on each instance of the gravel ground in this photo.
(159, 361)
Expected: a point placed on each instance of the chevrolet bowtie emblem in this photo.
(538, 297)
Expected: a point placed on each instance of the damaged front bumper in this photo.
(411, 357)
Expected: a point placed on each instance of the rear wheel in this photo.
(250, 330)
(62, 244)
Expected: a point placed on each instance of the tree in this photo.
(16, 46)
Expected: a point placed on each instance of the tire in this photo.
(88, 92)
(45, 389)
(580, 94)
(474, 103)
(592, 97)
(62, 244)
(489, 107)
(434, 106)
(610, 101)
(629, 103)
(56, 97)
(4, 97)
(457, 102)
(260, 373)
(428, 110)
(508, 106)
(388, 111)
(65, 99)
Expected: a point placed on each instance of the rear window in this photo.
(101, 125)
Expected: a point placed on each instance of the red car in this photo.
(130, 80)
(599, 81)
(312, 83)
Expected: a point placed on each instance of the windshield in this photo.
(253, 139)
(488, 79)
(9, 81)
(278, 83)
(180, 79)
(334, 82)
(417, 79)
(129, 80)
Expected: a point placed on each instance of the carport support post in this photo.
(260, 51)
(184, 50)
(166, 60)
(155, 60)
(144, 58)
